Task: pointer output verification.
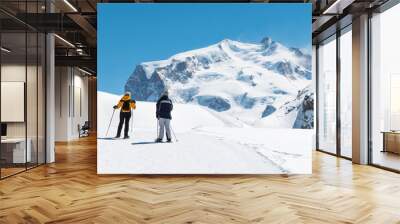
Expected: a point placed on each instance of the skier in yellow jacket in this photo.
(126, 104)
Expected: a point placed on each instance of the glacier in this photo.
(265, 84)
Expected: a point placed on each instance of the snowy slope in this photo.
(208, 144)
(238, 80)
(297, 112)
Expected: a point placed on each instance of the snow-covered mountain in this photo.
(245, 82)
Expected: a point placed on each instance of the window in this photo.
(327, 96)
(346, 93)
(385, 89)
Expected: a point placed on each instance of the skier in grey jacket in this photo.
(163, 113)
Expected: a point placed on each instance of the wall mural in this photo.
(205, 89)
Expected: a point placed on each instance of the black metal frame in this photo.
(26, 90)
(338, 97)
(369, 96)
(316, 122)
(0, 91)
(37, 91)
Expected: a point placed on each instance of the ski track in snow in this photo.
(269, 157)
(207, 145)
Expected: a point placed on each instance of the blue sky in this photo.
(129, 34)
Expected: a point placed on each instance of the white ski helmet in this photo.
(165, 93)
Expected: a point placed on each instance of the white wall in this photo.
(61, 103)
(71, 102)
(80, 112)
(14, 73)
(33, 126)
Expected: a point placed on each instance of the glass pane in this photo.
(13, 87)
(23, 82)
(385, 83)
(31, 98)
(346, 93)
(327, 96)
(41, 98)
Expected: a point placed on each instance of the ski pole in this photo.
(110, 122)
(157, 128)
(131, 122)
(173, 132)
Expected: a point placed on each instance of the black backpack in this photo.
(126, 105)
